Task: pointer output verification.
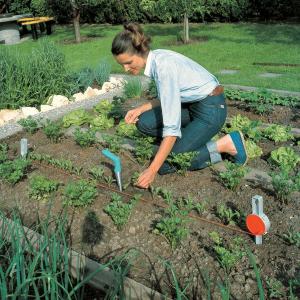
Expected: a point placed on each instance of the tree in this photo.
(73, 9)
(183, 9)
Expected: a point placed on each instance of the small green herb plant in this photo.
(13, 171)
(231, 178)
(84, 138)
(41, 187)
(292, 237)
(228, 256)
(3, 152)
(80, 194)
(29, 124)
(119, 210)
(173, 225)
(227, 215)
(53, 131)
(144, 149)
(182, 161)
(278, 133)
(133, 88)
(97, 172)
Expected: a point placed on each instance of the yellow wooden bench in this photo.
(42, 21)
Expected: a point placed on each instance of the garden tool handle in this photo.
(115, 159)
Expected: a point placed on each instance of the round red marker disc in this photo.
(255, 224)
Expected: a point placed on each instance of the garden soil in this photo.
(194, 261)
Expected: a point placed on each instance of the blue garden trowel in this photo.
(117, 164)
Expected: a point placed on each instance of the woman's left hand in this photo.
(146, 178)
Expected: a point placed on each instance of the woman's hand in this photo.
(132, 115)
(146, 178)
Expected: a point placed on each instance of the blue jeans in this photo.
(200, 121)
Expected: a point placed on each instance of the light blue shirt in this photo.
(178, 80)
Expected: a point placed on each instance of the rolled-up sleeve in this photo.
(169, 94)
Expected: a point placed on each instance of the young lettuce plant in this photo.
(286, 158)
(104, 107)
(113, 142)
(102, 122)
(278, 133)
(40, 187)
(127, 130)
(76, 117)
(53, 131)
(253, 150)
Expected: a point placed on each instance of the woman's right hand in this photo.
(132, 115)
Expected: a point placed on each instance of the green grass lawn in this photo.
(220, 46)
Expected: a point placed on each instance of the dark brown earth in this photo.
(195, 258)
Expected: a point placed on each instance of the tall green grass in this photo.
(28, 79)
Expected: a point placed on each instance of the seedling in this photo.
(80, 193)
(292, 237)
(133, 180)
(13, 171)
(3, 153)
(253, 150)
(109, 180)
(231, 178)
(144, 149)
(284, 184)
(173, 224)
(104, 107)
(113, 142)
(227, 215)
(127, 130)
(228, 256)
(97, 172)
(275, 288)
(182, 161)
(53, 131)
(120, 211)
(41, 187)
(29, 124)
(76, 117)
(84, 138)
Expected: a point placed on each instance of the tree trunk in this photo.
(76, 17)
(186, 37)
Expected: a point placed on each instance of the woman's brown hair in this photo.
(131, 40)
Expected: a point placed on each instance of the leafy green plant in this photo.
(228, 256)
(133, 88)
(41, 187)
(76, 117)
(53, 131)
(113, 142)
(13, 171)
(173, 225)
(232, 176)
(132, 180)
(275, 288)
(102, 122)
(285, 157)
(84, 78)
(84, 138)
(104, 107)
(278, 133)
(227, 215)
(102, 72)
(253, 150)
(152, 89)
(182, 161)
(249, 127)
(144, 149)
(29, 124)
(3, 152)
(80, 193)
(117, 112)
(119, 210)
(292, 237)
(97, 172)
(109, 180)
(284, 184)
(127, 130)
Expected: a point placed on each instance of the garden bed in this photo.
(196, 261)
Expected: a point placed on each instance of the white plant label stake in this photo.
(257, 222)
(24, 147)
